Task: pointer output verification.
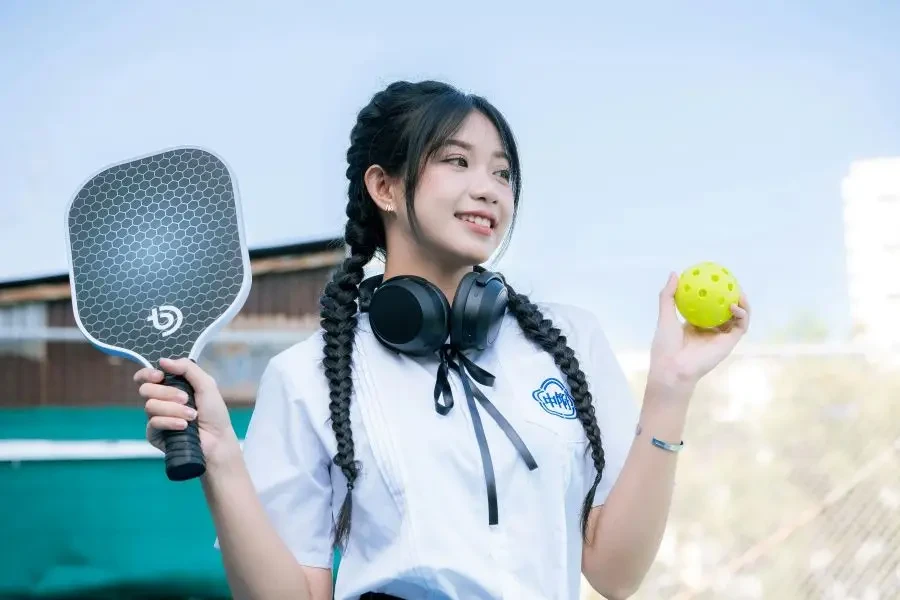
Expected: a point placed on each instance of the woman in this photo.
(472, 444)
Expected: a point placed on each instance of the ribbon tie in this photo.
(452, 359)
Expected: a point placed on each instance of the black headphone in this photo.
(411, 315)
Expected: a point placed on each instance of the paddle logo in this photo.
(166, 319)
(555, 399)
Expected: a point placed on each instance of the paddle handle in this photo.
(184, 456)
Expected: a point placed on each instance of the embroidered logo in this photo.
(555, 399)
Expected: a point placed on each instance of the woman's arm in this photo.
(624, 534)
(270, 502)
(258, 564)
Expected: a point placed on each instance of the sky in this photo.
(652, 136)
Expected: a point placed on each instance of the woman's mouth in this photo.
(477, 223)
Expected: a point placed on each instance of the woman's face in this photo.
(464, 201)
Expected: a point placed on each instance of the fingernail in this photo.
(183, 396)
(191, 413)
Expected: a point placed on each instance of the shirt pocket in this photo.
(549, 406)
(549, 499)
(545, 411)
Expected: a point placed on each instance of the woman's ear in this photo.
(382, 188)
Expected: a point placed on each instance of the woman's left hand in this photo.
(683, 353)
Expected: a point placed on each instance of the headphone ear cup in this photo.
(478, 309)
(410, 315)
(461, 330)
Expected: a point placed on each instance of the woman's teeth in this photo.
(484, 222)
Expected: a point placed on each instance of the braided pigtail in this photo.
(338, 319)
(542, 332)
(363, 234)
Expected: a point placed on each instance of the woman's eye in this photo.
(459, 161)
(504, 173)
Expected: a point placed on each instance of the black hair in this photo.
(399, 130)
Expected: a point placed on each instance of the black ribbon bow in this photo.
(452, 359)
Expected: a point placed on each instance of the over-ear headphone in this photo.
(411, 315)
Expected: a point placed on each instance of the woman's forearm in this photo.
(257, 563)
(627, 530)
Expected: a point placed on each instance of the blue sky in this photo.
(652, 137)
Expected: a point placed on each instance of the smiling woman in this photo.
(356, 442)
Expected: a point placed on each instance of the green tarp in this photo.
(92, 528)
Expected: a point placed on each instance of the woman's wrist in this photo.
(664, 410)
(669, 386)
(224, 454)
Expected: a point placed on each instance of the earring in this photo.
(389, 208)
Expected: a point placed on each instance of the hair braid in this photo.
(542, 332)
(338, 320)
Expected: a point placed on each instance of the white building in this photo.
(871, 193)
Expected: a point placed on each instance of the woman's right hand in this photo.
(167, 411)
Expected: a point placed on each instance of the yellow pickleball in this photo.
(705, 294)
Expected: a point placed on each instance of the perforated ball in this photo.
(705, 294)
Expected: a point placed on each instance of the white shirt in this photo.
(420, 516)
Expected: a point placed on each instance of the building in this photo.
(89, 494)
(871, 195)
(46, 361)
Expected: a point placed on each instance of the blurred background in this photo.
(653, 135)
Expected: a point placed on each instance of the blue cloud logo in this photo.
(555, 399)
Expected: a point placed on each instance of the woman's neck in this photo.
(444, 277)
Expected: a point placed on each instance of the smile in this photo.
(482, 221)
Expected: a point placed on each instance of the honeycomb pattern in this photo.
(160, 231)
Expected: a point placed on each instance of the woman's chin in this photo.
(461, 252)
(471, 256)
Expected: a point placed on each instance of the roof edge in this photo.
(292, 249)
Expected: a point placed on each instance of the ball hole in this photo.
(715, 277)
(687, 288)
(725, 271)
(730, 287)
(702, 293)
(721, 299)
(696, 271)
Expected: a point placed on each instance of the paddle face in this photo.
(157, 255)
(157, 263)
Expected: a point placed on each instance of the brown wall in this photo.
(75, 373)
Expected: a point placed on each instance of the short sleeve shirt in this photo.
(420, 526)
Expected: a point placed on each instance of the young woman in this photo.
(453, 438)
